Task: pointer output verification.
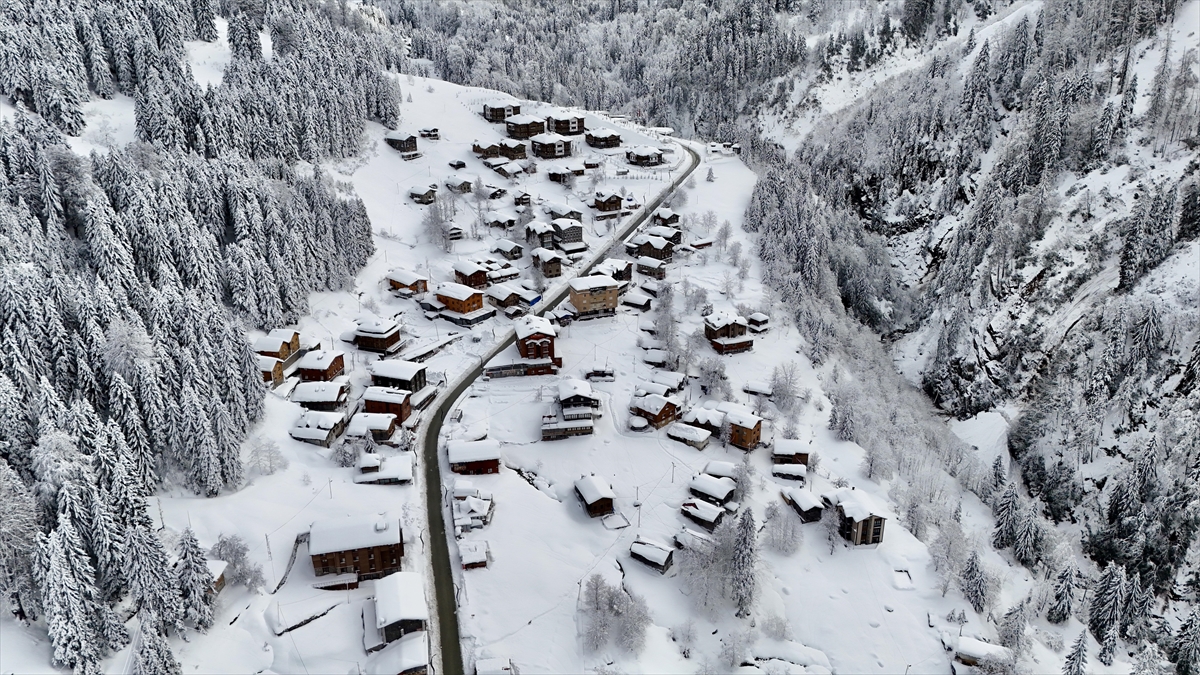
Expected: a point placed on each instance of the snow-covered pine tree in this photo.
(151, 584)
(973, 582)
(18, 538)
(1186, 646)
(1063, 602)
(1136, 618)
(1076, 663)
(743, 566)
(1108, 648)
(153, 655)
(1012, 628)
(1008, 513)
(195, 582)
(1027, 537)
(1108, 601)
(1150, 660)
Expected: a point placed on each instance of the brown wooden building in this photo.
(500, 109)
(596, 495)
(658, 410)
(549, 262)
(398, 374)
(486, 149)
(565, 123)
(320, 365)
(474, 457)
(521, 127)
(607, 201)
(664, 216)
(404, 142)
(603, 138)
(271, 369)
(513, 149)
(550, 146)
(388, 400)
(369, 547)
(327, 396)
(470, 274)
(378, 335)
(726, 333)
(460, 298)
(535, 339)
(274, 346)
(403, 279)
(644, 155)
(860, 522)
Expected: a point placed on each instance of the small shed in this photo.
(474, 457)
(655, 555)
(797, 472)
(703, 513)
(758, 322)
(474, 554)
(400, 605)
(694, 436)
(423, 194)
(596, 494)
(321, 365)
(403, 279)
(407, 656)
(970, 652)
(713, 489)
(637, 301)
(806, 504)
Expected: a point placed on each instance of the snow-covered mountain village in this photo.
(645, 336)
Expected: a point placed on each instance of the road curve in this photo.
(450, 652)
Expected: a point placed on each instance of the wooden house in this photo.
(671, 234)
(271, 369)
(705, 417)
(510, 170)
(217, 569)
(726, 333)
(608, 201)
(644, 155)
(652, 267)
(368, 547)
(522, 198)
(539, 234)
(320, 365)
(596, 495)
(407, 656)
(274, 346)
(758, 322)
(423, 194)
(567, 231)
(474, 555)
(620, 270)
(511, 250)
(594, 295)
(560, 174)
(398, 374)
(503, 296)
(636, 300)
(549, 262)
(377, 335)
(521, 127)
(558, 210)
(470, 274)
(327, 396)
(703, 513)
(664, 216)
(716, 489)
(474, 457)
(791, 451)
(459, 184)
(291, 335)
(574, 393)
(650, 246)
(653, 554)
(513, 149)
(535, 339)
(503, 221)
(499, 110)
(400, 140)
(565, 123)
(400, 605)
(603, 138)
(550, 146)
(745, 428)
(685, 433)
(658, 410)
(457, 164)
(806, 504)
(460, 298)
(485, 149)
(388, 400)
(380, 427)
(860, 522)
(403, 279)
(432, 133)
(319, 428)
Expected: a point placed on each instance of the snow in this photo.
(318, 359)
(386, 394)
(363, 423)
(592, 282)
(473, 552)
(400, 596)
(804, 499)
(472, 451)
(318, 392)
(793, 446)
(593, 489)
(396, 369)
(651, 550)
(688, 433)
(533, 325)
(717, 488)
(720, 469)
(409, 652)
(977, 649)
(405, 277)
(572, 387)
(703, 510)
(456, 291)
(722, 319)
(347, 534)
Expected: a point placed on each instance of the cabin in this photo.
(412, 282)
(274, 346)
(402, 141)
(378, 335)
(501, 220)
(558, 210)
(791, 451)
(500, 109)
(608, 201)
(603, 138)
(398, 374)
(368, 547)
(407, 656)
(796, 472)
(474, 457)
(423, 194)
(806, 504)
(652, 267)
(326, 396)
(560, 174)
(658, 410)
(567, 231)
(705, 417)
(388, 400)
(522, 198)
(521, 127)
(644, 155)
(594, 296)
(503, 296)
(474, 555)
(216, 568)
(671, 234)
(694, 436)
(550, 146)
(549, 262)
(637, 301)
(319, 428)
(574, 393)
(716, 489)
(664, 216)
(860, 522)
(400, 605)
(459, 184)
(431, 133)
(653, 554)
(726, 333)
(470, 274)
(535, 339)
(464, 305)
(271, 369)
(486, 150)
(745, 428)
(513, 149)
(565, 123)
(379, 426)
(539, 233)
(320, 365)
(558, 426)
(596, 494)
(703, 513)
(288, 334)
(457, 164)
(758, 322)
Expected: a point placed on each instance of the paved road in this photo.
(430, 429)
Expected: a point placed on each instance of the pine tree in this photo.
(1064, 594)
(1150, 660)
(1135, 621)
(1012, 628)
(154, 655)
(743, 565)
(1008, 514)
(974, 582)
(150, 582)
(1076, 663)
(1108, 602)
(18, 538)
(195, 582)
(1186, 651)
(1108, 648)
(1027, 539)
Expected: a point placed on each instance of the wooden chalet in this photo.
(704, 513)
(511, 250)
(380, 427)
(217, 569)
(560, 174)
(513, 149)
(378, 335)
(716, 489)
(460, 184)
(860, 522)
(558, 210)
(474, 457)
(671, 234)
(367, 547)
(653, 554)
(486, 149)
(474, 554)
(620, 270)
(274, 346)
(745, 428)
(320, 365)
(652, 267)
(327, 396)
(650, 246)
(503, 221)
(644, 155)
(471, 275)
(806, 504)
(685, 433)
(758, 322)
(596, 495)
(567, 231)
(432, 133)
(398, 374)
(636, 300)
(423, 194)
(603, 138)
(388, 400)
(400, 605)
(658, 410)
(319, 428)
(535, 339)
(521, 127)
(500, 110)
(664, 216)
(539, 234)
(574, 393)
(271, 369)
(503, 295)
(460, 297)
(726, 333)
(549, 262)
(414, 283)
(522, 198)
(565, 123)
(791, 451)
(510, 170)
(550, 146)
(608, 201)
(400, 140)
(594, 296)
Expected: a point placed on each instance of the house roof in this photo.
(703, 415)
(611, 266)
(368, 460)
(656, 242)
(511, 142)
(592, 282)
(285, 333)
(652, 263)
(405, 277)
(398, 468)
(524, 119)
(216, 568)
(661, 231)
(717, 488)
(804, 499)
(702, 510)
(792, 446)
(318, 359)
(318, 392)
(670, 378)
(473, 451)
(722, 318)
(642, 388)
(501, 102)
(603, 133)
(564, 223)
(606, 194)
(539, 227)
(458, 179)
(316, 419)
(549, 138)
(532, 325)
(396, 369)
(376, 326)
(501, 291)
(651, 550)
(759, 317)
(507, 246)
(652, 403)
(398, 135)
(593, 489)
(560, 207)
(473, 552)
(721, 469)
(266, 363)
(399, 656)
(467, 268)
(644, 151)
(400, 596)
(347, 534)
(739, 415)
(457, 291)
(545, 254)
(573, 387)
(857, 505)
(564, 116)
(688, 433)
(268, 343)
(364, 423)
(663, 212)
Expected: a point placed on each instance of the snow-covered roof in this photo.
(791, 446)
(643, 388)
(467, 268)
(717, 488)
(664, 213)
(651, 550)
(978, 649)
(856, 504)
(524, 119)
(473, 451)
(657, 243)
(364, 423)
(652, 263)
(593, 489)
(565, 223)
(539, 227)
(318, 392)
(669, 378)
(611, 266)
(564, 116)
(559, 207)
(758, 387)
(501, 102)
(408, 653)
(458, 179)
(506, 245)
(603, 133)
(688, 433)
(266, 362)
(803, 499)
(606, 194)
(644, 151)
(494, 666)
(790, 470)
(662, 231)
(592, 282)
(368, 460)
(721, 469)
(473, 552)
(703, 415)
(386, 395)
(549, 138)
(398, 468)
(396, 369)
(457, 291)
(348, 534)
(722, 318)
(689, 538)
(572, 387)
(400, 596)
(739, 414)
(216, 568)
(319, 420)
(376, 326)
(702, 510)
(270, 343)
(651, 403)
(318, 359)
(398, 135)
(405, 277)
(759, 317)
(501, 291)
(511, 143)
(533, 324)
(285, 333)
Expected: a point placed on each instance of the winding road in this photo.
(450, 652)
